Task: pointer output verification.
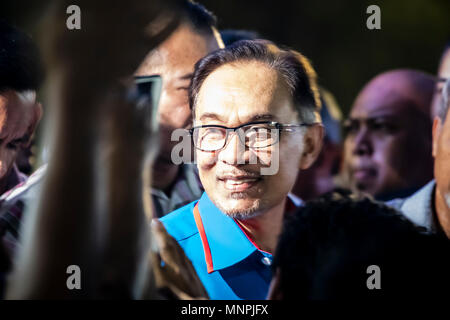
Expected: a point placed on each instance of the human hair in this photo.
(326, 247)
(295, 69)
(201, 18)
(20, 61)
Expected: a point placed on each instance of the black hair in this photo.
(231, 36)
(296, 70)
(326, 247)
(20, 61)
(201, 18)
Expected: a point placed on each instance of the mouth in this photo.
(239, 183)
(363, 174)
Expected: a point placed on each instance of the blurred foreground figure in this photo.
(176, 185)
(430, 206)
(320, 178)
(387, 148)
(21, 75)
(338, 247)
(443, 74)
(90, 214)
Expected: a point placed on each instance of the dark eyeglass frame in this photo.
(277, 126)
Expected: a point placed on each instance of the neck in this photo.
(265, 228)
(442, 212)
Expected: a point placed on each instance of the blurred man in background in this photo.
(387, 149)
(176, 185)
(21, 75)
(430, 206)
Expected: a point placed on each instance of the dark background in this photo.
(333, 34)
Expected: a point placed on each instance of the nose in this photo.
(234, 151)
(362, 144)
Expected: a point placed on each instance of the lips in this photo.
(239, 183)
(364, 173)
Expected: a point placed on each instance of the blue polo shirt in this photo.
(228, 263)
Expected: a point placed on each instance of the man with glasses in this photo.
(430, 206)
(256, 123)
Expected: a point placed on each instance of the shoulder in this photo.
(396, 203)
(180, 223)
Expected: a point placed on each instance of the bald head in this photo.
(402, 88)
(387, 151)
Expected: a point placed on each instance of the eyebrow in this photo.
(258, 117)
(187, 76)
(22, 139)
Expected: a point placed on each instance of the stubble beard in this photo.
(241, 214)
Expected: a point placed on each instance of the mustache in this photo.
(238, 173)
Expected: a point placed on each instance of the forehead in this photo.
(178, 53)
(384, 97)
(244, 90)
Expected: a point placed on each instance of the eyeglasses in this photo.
(254, 135)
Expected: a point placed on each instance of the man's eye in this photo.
(382, 126)
(258, 133)
(12, 146)
(214, 133)
(350, 127)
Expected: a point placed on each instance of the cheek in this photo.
(347, 152)
(392, 156)
(173, 110)
(206, 161)
(7, 158)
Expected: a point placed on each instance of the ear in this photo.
(313, 140)
(275, 292)
(437, 128)
(37, 115)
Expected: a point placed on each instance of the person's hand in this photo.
(172, 269)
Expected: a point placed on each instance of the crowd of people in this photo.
(278, 196)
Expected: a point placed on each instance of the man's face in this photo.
(444, 72)
(17, 120)
(385, 145)
(441, 153)
(174, 60)
(234, 95)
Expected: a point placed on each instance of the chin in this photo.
(237, 207)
